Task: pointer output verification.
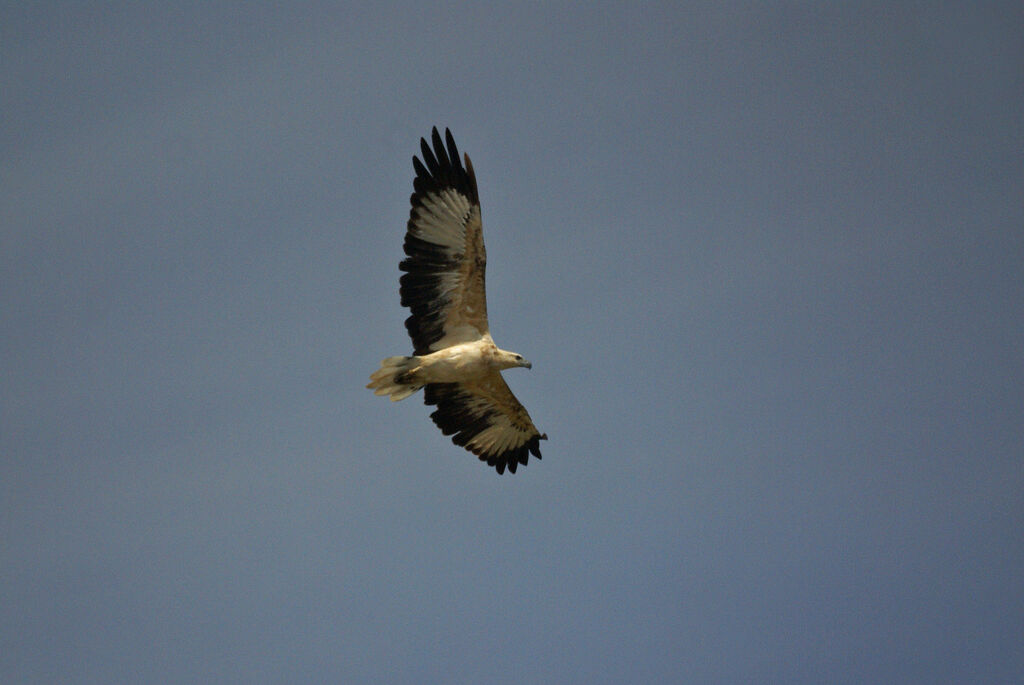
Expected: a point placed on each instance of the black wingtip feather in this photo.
(439, 152)
(420, 171)
(428, 157)
(453, 150)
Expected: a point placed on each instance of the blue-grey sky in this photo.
(765, 259)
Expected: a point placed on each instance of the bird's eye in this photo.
(519, 357)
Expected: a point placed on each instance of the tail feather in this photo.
(394, 378)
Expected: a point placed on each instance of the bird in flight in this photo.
(454, 359)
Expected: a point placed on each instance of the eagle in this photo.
(454, 359)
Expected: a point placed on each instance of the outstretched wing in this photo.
(486, 418)
(443, 283)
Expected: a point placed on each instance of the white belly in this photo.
(457, 363)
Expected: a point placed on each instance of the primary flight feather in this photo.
(454, 358)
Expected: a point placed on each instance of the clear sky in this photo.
(765, 259)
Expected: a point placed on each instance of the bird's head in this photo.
(510, 360)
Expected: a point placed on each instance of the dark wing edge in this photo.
(464, 415)
(441, 168)
(422, 285)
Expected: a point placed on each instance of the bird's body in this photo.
(463, 362)
(455, 360)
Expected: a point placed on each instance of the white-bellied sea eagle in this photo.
(454, 358)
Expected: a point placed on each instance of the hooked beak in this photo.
(527, 364)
